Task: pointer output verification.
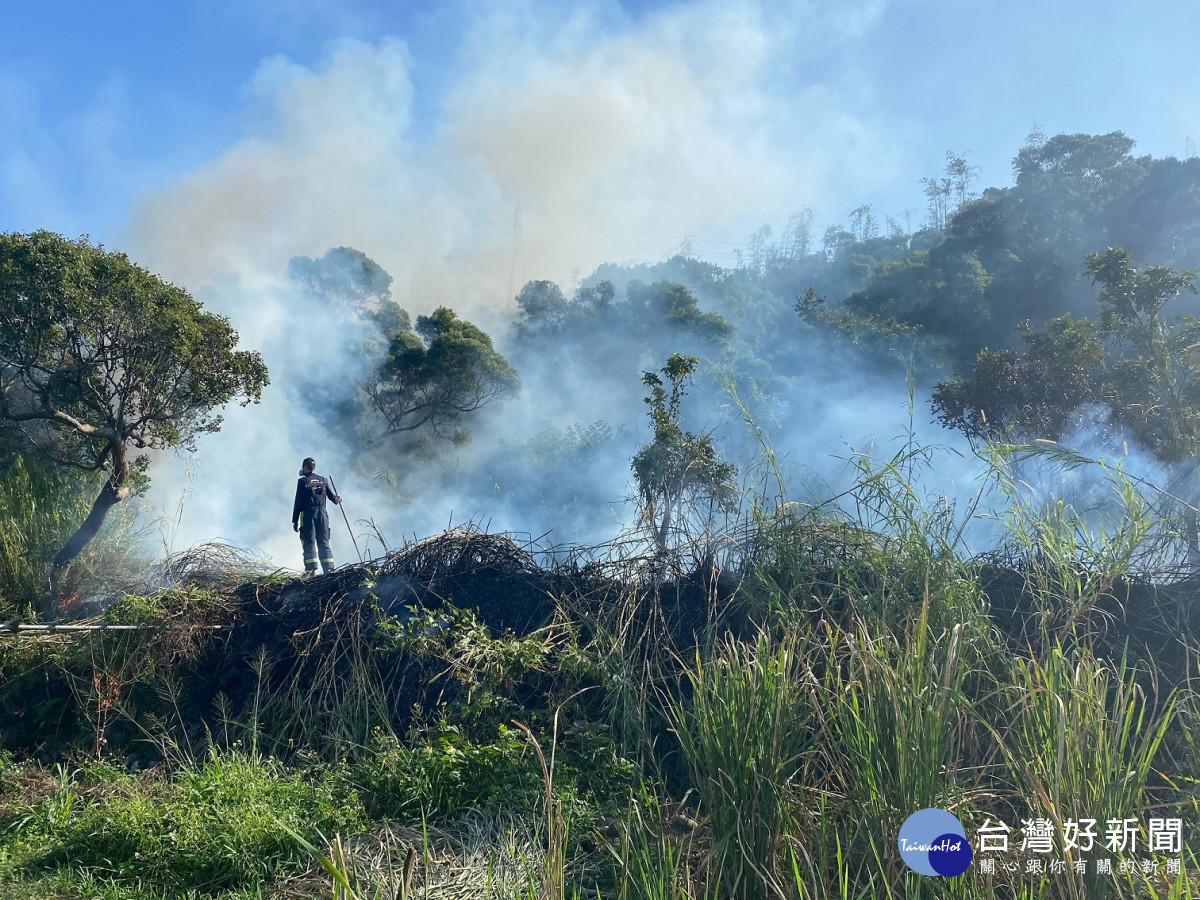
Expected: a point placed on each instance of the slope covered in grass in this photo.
(744, 715)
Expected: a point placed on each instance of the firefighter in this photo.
(310, 519)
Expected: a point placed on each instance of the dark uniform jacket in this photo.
(311, 491)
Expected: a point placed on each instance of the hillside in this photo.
(469, 716)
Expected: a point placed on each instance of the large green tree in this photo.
(433, 377)
(398, 390)
(99, 358)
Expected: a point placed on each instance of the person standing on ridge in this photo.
(310, 519)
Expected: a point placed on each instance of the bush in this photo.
(446, 773)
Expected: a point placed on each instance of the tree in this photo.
(350, 284)
(760, 249)
(1135, 361)
(937, 208)
(863, 224)
(797, 235)
(539, 299)
(950, 193)
(544, 309)
(679, 470)
(98, 356)
(942, 295)
(434, 377)
(1026, 395)
(961, 176)
(343, 275)
(596, 301)
(882, 340)
(834, 241)
(1153, 382)
(673, 305)
(344, 300)
(1084, 159)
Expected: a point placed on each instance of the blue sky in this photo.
(109, 113)
(154, 89)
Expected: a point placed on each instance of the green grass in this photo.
(223, 826)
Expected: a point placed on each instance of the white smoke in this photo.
(616, 138)
(671, 126)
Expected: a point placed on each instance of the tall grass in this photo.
(893, 732)
(744, 735)
(1083, 741)
(40, 507)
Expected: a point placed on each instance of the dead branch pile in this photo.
(462, 551)
(215, 565)
(492, 574)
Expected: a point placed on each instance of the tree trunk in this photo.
(113, 492)
(664, 528)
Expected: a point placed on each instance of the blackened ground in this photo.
(320, 638)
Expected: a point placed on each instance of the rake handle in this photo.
(346, 519)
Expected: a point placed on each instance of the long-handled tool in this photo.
(346, 519)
